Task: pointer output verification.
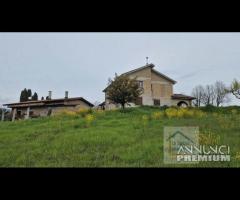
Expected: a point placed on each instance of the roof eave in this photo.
(140, 68)
(45, 102)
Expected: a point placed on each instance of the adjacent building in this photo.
(40, 108)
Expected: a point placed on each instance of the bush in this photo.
(157, 115)
(171, 112)
(183, 113)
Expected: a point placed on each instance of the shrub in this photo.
(183, 112)
(171, 112)
(83, 112)
(157, 115)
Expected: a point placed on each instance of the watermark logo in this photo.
(181, 145)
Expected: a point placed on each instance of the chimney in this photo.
(66, 94)
(49, 95)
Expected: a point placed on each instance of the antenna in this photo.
(146, 60)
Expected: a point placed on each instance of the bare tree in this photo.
(198, 92)
(212, 94)
(221, 93)
(208, 95)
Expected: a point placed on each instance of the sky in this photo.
(82, 63)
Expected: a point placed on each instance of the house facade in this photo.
(41, 108)
(157, 89)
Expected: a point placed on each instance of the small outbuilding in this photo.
(32, 109)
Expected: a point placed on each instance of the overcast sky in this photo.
(82, 62)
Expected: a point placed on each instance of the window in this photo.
(156, 102)
(140, 84)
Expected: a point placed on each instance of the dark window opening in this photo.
(138, 101)
(156, 102)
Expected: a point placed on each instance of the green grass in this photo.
(114, 139)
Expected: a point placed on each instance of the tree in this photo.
(35, 96)
(29, 93)
(123, 90)
(198, 92)
(220, 92)
(24, 95)
(208, 95)
(235, 88)
(21, 96)
(42, 98)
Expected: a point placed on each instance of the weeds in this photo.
(89, 120)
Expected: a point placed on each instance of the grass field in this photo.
(111, 138)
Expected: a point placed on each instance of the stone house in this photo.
(157, 89)
(31, 109)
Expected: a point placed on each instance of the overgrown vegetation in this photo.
(89, 138)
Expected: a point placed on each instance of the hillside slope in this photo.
(109, 139)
